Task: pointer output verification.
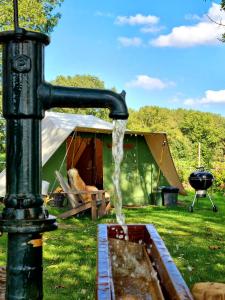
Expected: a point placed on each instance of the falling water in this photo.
(132, 272)
(117, 152)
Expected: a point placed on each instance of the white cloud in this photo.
(130, 42)
(176, 98)
(214, 97)
(210, 97)
(152, 29)
(190, 102)
(205, 32)
(148, 23)
(99, 13)
(139, 19)
(148, 83)
(189, 36)
(191, 17)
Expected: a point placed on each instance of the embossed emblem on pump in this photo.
(21, 63)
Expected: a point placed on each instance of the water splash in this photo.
(119, 127)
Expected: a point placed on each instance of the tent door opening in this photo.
(86, 155)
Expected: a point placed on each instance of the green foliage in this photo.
(209, 130)
(219, 174)
(83, 81)
(36, 15)
(222, 3)
(185, 130)
(2, 137)
(33, 14)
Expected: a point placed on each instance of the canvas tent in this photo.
(85, 142)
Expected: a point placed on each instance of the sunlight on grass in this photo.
(194, 240)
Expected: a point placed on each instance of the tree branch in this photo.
(218, 23)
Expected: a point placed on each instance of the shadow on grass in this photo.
(194, 240)
(70, 260)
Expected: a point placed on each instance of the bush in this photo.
(219, 174)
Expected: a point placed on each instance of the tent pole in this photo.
(94, 162)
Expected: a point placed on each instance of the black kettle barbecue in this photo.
(201, 180)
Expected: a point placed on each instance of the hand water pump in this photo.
(26, 96)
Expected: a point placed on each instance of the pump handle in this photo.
(16, 15)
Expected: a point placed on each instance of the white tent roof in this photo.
(55, 129)
(57, 126)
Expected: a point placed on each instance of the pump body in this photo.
(26, 96)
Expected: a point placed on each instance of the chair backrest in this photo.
(77, 184)
(73, 199)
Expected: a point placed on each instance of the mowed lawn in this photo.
(196, 241)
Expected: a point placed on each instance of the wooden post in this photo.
(94, 207)
(102, 207)
(199, 154)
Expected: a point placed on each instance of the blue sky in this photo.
(164, 53)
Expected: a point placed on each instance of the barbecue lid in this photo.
(201, 179)
(201, 175)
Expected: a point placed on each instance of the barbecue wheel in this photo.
(191, 208)
(215, 209)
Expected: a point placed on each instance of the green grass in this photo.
(195, 241)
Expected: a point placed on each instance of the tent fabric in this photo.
(158, 145)
(78, 151)
(75, 148)
(90, 168)
(56, 127)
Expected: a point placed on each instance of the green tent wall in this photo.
(140, 174)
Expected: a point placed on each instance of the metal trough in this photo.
(170, 280)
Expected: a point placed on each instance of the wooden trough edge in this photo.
(169, 275)
(168, 272)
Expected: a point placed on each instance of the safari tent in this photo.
(85, 142)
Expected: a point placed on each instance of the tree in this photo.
(223, 4)
(37, 15)
(209, 130)
(83, 81)
(185, 129)
(223, 8)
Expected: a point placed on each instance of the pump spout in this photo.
(58, 96)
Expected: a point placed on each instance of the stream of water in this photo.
(117, 152)
(133, 275)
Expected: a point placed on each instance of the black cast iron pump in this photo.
(26, 96)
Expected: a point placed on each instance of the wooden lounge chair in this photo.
(73, 200)
(98, 204)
